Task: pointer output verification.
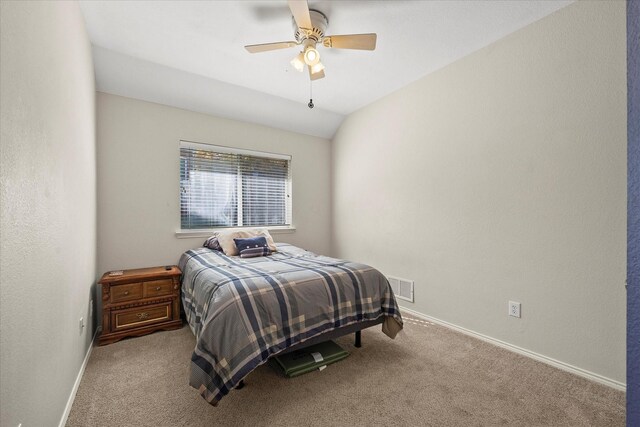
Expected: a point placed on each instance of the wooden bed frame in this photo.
(330, 335)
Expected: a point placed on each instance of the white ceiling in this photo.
(190, 54)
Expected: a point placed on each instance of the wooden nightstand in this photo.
(139, 302)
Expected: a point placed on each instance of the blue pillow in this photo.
(255, 246)
(212, 243)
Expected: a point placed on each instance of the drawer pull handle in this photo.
(126, 292)
(142, 316)
(158, 288)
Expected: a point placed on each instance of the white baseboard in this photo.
(74, 390)
(536, 356)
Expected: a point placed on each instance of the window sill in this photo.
(192, 234)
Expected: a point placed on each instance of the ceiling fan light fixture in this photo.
(311, 56)
(298, 62)
(317, 68)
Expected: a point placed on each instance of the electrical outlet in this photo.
(81, 323)
(514, 309)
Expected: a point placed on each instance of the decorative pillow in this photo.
(225, 239)
(252, 247)
(212, 243)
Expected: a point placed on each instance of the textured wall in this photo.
(138, 179)
(633, 214)
(48, 201)
(503, 177)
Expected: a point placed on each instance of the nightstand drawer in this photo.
(126, 292)
(156, 288)
(140, 316)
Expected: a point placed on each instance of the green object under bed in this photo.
(310, 358)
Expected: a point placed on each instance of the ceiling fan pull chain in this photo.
(310, 104)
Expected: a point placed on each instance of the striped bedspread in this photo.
(242, 311)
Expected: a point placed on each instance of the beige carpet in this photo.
(429, 375)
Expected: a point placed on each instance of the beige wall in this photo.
(48, 200)
(503, 177)
(138, 179)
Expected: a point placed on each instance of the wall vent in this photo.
(402, 288)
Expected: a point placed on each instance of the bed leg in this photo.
(240, 385)
(358, 339)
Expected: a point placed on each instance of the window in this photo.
(226, 187)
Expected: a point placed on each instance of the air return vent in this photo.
(402, 288)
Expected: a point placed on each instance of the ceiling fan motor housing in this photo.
(319, 22)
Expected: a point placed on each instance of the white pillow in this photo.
(225, 239)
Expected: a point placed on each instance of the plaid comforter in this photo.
(242, 311)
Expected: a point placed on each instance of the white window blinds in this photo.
(225, 187)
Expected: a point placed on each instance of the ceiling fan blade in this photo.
(255, 48)
(300, 12)
(351, 41)
(316, 76)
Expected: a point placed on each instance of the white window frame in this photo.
(205, 232)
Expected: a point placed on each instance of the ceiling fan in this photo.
(309, 28)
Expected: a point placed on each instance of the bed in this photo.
(242, 311)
